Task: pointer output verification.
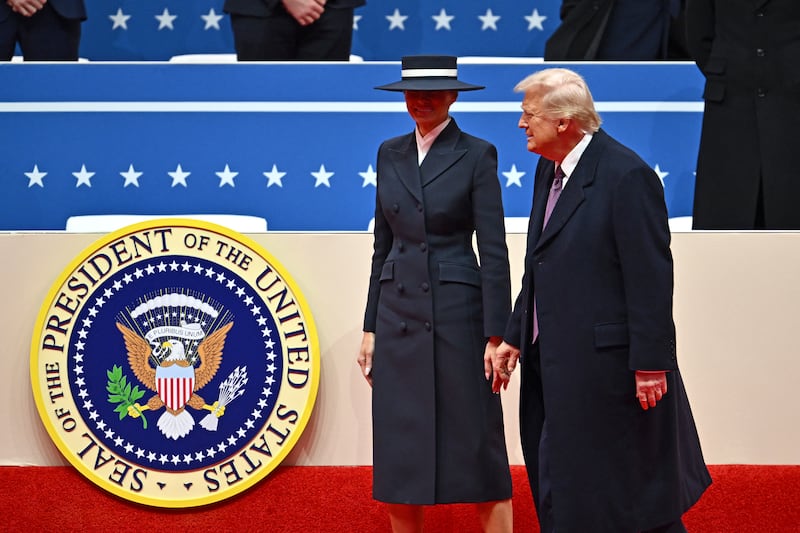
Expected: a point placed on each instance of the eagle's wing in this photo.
(138, 355)
(210, 352)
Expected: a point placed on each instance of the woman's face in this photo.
(429, 108)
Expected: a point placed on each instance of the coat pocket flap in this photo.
(459, 273)
(611, 335)
(714, 91)
(387, 272)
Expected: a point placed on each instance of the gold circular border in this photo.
(98, 245)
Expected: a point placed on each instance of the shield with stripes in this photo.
(175, 384)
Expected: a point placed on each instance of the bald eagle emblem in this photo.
(174, 345)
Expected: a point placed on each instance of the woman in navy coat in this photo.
(435, 313)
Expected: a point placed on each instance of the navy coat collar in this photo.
(442, 155)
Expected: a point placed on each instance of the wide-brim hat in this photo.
(429, 73)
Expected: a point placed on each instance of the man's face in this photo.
(429, 108)
(542, 132)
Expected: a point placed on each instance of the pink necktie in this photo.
(552, 198)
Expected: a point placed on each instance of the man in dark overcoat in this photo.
(607, 432)
(747, 174)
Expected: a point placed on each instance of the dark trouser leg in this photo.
(8, 37)
(280, 37)
(272, 38)
(531, 419)
(329, 38)
(545, 508)
(47, 36)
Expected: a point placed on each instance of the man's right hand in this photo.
(305, 12)
(505, 362)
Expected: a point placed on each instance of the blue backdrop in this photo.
(384, 30)
(292, 143)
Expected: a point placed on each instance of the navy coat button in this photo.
(403, 327)
(419, 207)
(395, 208)
(425, 287)
(400, 287)
(427, 326)
(401, 246)
(423, 246)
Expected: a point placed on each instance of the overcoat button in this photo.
(760, 52)
(427, 326)
(401, 246)
(423, 246)
(419, 207)
(403, 327)
(425, 286)
(400, 287)
(395, 208)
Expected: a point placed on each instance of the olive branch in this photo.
(120, 392)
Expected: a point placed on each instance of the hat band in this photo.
(429, 72)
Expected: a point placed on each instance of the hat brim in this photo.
(430, 84)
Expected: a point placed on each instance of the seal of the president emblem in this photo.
(175, 363)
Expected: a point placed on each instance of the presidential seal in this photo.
(175, 363)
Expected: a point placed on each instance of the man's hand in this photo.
(26, 8)
(365, 355)
(504, 362)
(305, 12)
(650, 387)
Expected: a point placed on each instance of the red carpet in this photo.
(743, 499)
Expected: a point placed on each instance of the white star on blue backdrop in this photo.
(133, 30)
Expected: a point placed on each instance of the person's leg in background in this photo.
(47, 36)
(272, 38)
(8, 37)
(329, 38)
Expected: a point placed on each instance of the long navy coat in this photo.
(602, 274)
(749, 52)
(437, 427)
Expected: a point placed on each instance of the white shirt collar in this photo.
(424, 143)
(571, 160)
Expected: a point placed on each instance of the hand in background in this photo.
(26, 8)
(305, 12)
(365, 355)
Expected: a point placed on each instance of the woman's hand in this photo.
(365, 355)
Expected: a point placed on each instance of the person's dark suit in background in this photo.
(46, 30)
(606, 429)
(292, 30)
(747, 171)
(619, 30)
